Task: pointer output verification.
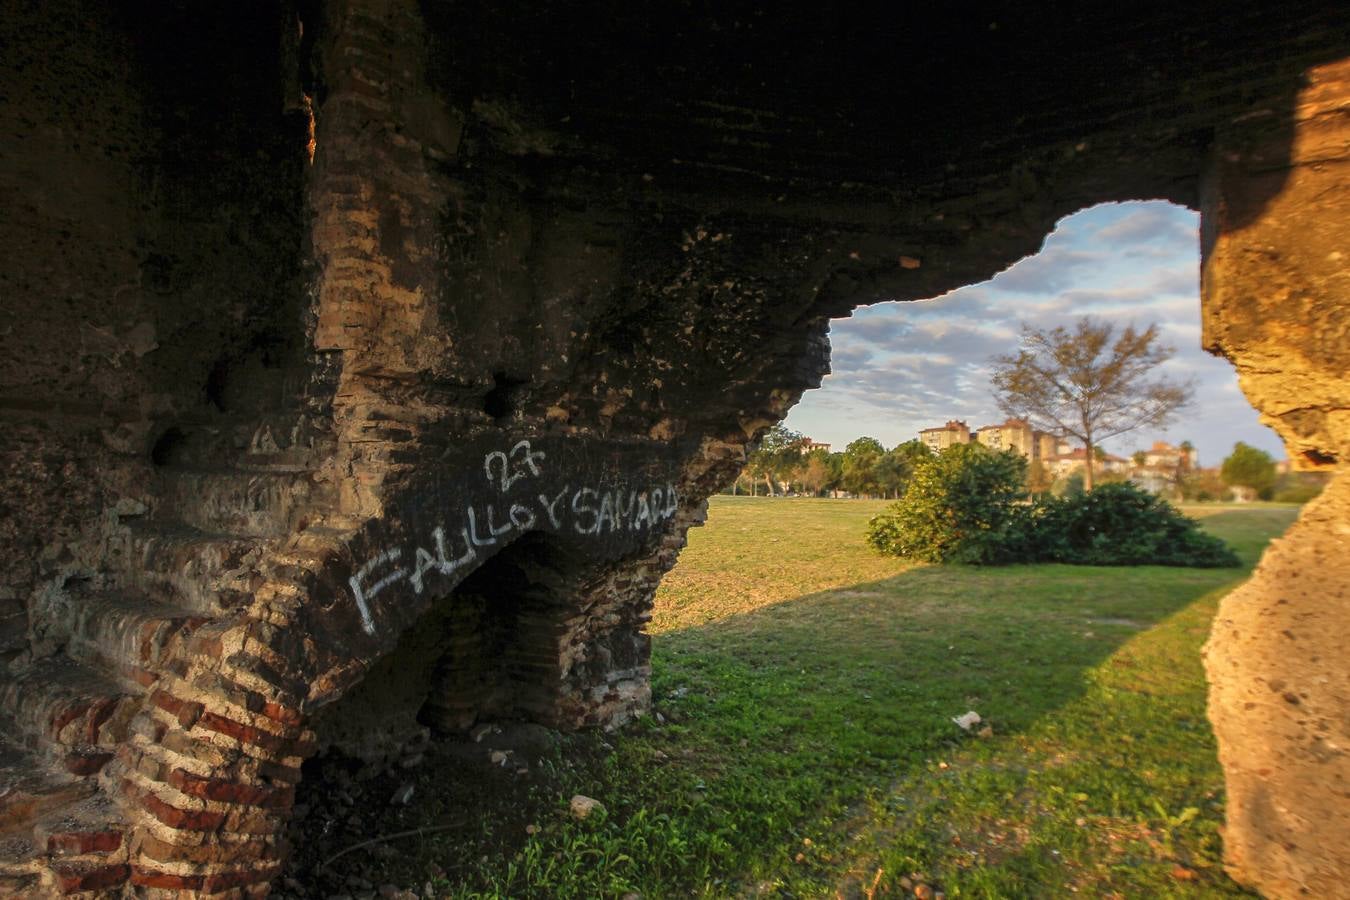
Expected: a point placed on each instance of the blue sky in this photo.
(899, 367)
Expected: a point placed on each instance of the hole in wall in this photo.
(1318, 458)
(217, 380)
(500, 401)
(169, 448)
(250, 376)
(501, 660)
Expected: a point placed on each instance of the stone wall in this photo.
(1277, 218)
(370, 359)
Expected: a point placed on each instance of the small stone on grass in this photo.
(582, 806)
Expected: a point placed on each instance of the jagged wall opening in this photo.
(897, 367)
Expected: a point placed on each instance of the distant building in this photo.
(1074, 460)
(1013, 434)
(1163, 455)
(808, 445)
(939, 439)
(1047, 445)
(1159, 469)
(1155, 481)
(1018, 435)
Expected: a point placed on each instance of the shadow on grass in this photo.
(809, 713)
(803, 746)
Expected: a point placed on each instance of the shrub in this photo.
(1122, 525)
(961, 506)
(1250, 468)
(1300, 493)
(967, 506)
(1299, 487)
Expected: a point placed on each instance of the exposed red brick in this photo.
(252, 820)
(71, 879)
(187, 711)
(221, 881)
(206, 645)
(284, 714)
(86, 762)
(68, 713)
(144, 677)
(231, 791)
(146, 644)
(144, 877)
(288, 689)
(239, 851)
(75, 843)
(277, 772)
(99, 712)
(276, 708)
(244, 733)
(183, 819)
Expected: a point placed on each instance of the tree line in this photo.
(1085, 382)
(782, 462)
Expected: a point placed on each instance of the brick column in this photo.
(208, 773)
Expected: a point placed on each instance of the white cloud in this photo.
(899, 367)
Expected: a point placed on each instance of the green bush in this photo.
(967, 505)
(1122, 525)
(1297, 493)
(961, 506)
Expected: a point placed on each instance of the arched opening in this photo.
(452, 722)
(487, 651)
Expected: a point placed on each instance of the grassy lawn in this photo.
(804, 745)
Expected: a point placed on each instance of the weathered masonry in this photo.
(327, 323)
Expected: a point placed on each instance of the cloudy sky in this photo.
(900, 367)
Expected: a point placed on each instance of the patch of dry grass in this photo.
(758, 552)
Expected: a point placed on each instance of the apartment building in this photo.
(939, 439)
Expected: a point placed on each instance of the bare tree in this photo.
(1088, 383)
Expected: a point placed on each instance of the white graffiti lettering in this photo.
(522, 517)
(622, 510)
(606, 512)
(521, 462)
(592, 511)
(551, 507)
(363, 596)
(585, 509)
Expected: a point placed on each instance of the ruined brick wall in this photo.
(154, 347)
(393, 347)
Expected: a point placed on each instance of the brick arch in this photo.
(208, 774)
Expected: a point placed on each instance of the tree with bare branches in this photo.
(1089, 383)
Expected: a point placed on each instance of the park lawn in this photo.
(804, 745)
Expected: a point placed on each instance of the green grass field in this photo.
(805, 747)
